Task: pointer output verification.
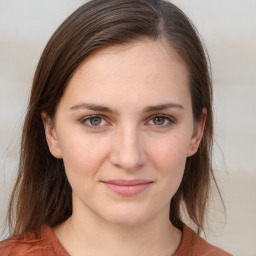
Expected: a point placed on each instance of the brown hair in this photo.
(42, 194)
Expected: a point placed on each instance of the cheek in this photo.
(82, 154)
(83, 157)
(170, 150)
(169, 158)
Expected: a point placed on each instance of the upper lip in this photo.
(122, 182)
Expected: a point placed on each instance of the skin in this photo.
(126, 144)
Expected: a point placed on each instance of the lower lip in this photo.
(128, 190)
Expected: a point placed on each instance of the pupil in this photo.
(158, 120)
(95, 120)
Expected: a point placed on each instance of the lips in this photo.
(127, 187)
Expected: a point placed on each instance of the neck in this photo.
(94, 236)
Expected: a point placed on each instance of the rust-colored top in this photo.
(46, 243)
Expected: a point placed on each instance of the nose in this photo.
(128, 152)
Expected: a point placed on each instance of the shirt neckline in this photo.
(48, 234)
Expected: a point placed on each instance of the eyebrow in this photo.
(93, 107)
(106, 109)
(162, 107)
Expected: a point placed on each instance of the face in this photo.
(124, 128)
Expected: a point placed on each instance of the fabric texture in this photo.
(45, 243)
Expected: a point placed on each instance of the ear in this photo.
(197, 134)
(51, 136)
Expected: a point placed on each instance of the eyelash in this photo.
(170, 120)
(88, 118)
(166, 117)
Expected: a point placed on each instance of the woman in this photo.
(117, 139)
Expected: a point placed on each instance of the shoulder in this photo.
(192, 244)
(31, 243)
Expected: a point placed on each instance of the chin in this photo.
(128, 221)
(126, 217)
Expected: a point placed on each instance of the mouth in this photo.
(127, 187)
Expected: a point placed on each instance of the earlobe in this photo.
(197, 134)
(51, 136)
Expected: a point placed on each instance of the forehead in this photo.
(136, 71)
(144, 51)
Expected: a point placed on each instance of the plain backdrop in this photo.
(228, 28)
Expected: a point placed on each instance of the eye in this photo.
(158, 120)
(161, 120)
(94, 121)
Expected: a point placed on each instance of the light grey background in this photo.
(229, 31)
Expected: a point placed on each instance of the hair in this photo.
(42, 194)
